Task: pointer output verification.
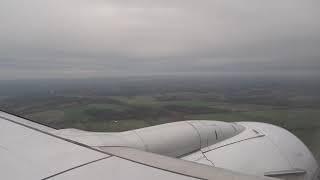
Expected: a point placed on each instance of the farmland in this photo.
(119, 105)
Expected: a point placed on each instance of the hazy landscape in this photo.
(119, 104)
(113, 66)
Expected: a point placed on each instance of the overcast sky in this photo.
(102, 38)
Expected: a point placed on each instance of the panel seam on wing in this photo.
(70, 169)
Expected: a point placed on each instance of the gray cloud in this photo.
(82, 38)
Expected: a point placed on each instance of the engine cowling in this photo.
(247, 147)
(173, 139)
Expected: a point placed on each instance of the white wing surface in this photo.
(29, 151)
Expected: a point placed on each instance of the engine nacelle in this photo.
(173, 139)
(247, 147)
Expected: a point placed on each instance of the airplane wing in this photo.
(29, 151)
